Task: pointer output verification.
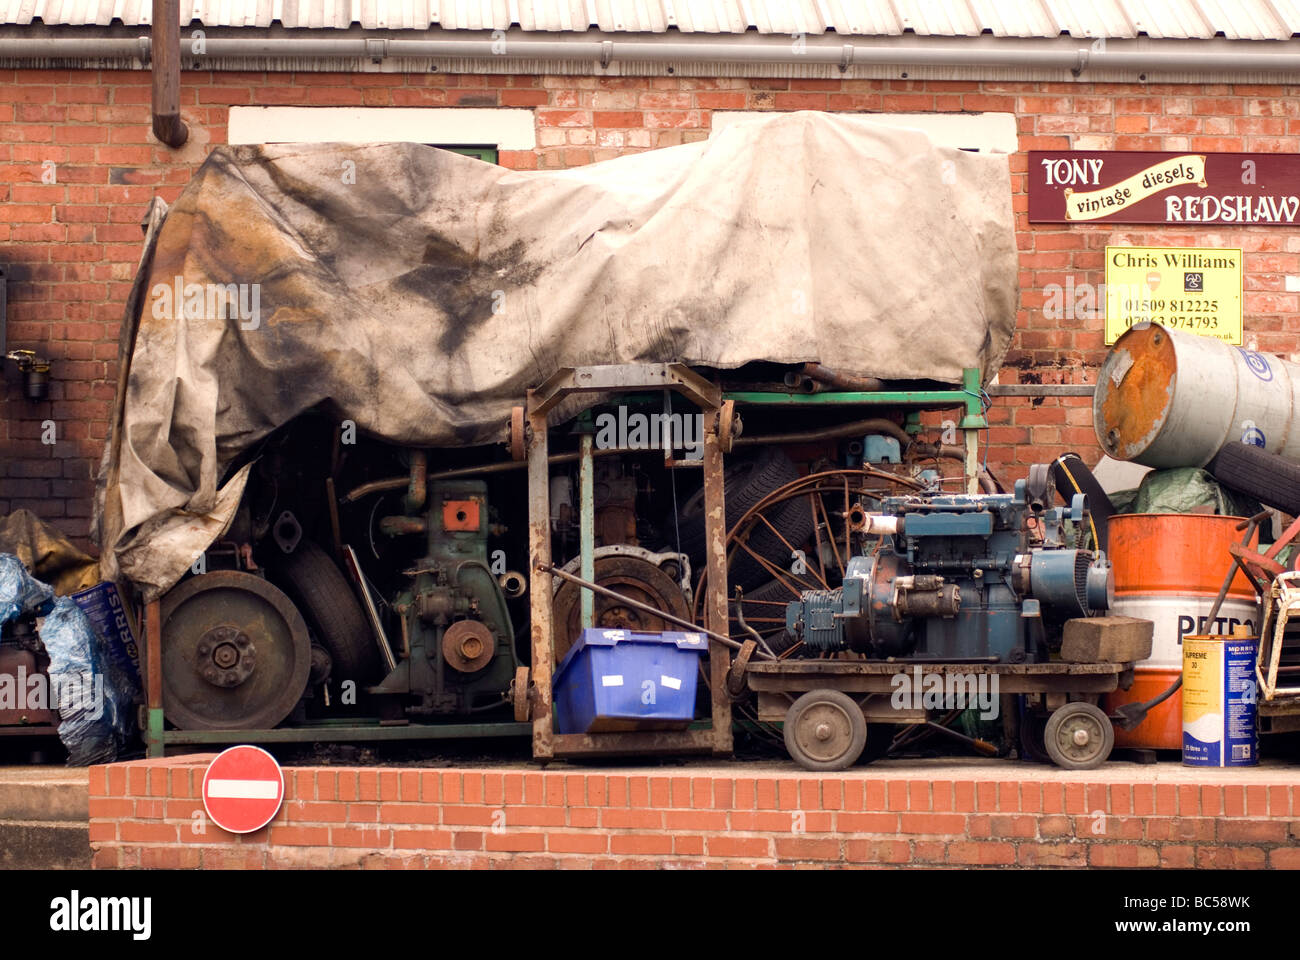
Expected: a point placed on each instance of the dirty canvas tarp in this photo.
(419, 293)
(47, 553)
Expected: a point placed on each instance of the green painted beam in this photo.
(154, 737)
(332, 732)
(881, 398)
(973, 393)
(969, 396)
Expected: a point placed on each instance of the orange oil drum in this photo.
(1168, 569)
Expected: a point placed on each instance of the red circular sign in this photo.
(243, 789)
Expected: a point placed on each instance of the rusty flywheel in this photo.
(632, 577)
(235, 653)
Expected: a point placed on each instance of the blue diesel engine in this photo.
(959, 578)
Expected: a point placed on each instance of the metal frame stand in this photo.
(605, 379)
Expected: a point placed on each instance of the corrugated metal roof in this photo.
(1159, 19)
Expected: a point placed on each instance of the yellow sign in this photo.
(1196, 289)
(1093, 204)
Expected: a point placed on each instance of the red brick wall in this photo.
(149, 814)
(72, 246)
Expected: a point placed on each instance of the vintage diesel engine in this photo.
(456, 628)
(953, 578)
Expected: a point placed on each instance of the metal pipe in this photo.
(842, 381)
(643, 607)
(856, 427)
(89, 48)
(873, 425)
(587, 527)
(456, 473)
(417, 487)
(1048, 55)
(798, 381)
(979, 746)
(165, 48)
(1041, 390)
(513, 584)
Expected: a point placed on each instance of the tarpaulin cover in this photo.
(47, 553)
(1190, 490)
(419, 293)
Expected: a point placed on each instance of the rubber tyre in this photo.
(845, 712)
(1033, 742)
(1269, 478)
(1091, 715)
(747, 482)
(325, 598)
(1069, 471)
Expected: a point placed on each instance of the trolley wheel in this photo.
(1079, 736)
(825, 730)
(1033, 739)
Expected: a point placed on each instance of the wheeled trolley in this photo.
(837, 712)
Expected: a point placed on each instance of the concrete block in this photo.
(1106, 640)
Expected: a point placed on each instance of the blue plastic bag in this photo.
(21, 593)
(88, 686)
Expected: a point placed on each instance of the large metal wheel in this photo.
(632, 577)
(825, 730)
(235, 653)
(835, 502)
(1079, 736)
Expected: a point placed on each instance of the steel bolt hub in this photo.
(227, 656)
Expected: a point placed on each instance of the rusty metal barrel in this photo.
(1168, 569)
(1166, 398)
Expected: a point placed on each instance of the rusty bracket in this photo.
(518, 448)
(736, 685)
(729, 426)
(625, 376)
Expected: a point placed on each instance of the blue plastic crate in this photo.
(622, 680)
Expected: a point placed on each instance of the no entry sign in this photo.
(243, 789)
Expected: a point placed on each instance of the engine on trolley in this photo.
(960, 577)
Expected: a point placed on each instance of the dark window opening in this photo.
(486, 154)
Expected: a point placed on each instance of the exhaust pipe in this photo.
(165, 52)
